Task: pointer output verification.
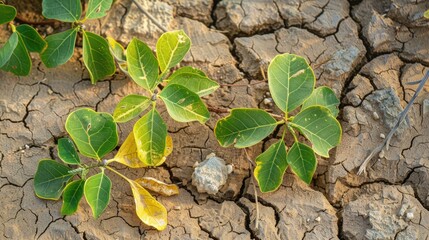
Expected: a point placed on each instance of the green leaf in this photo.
(184, 105)
(71, 197)
(426, 14)
(97, 57)
(97, 193)
(7, 50)
(117, 50)
(130, 107)
(193, 80)
(187, 69)
(271, 166)
(67, 152)
(7, 13)
(50, 179)
(19, 62)
(60, 48)
(142, 64)
(171, 48)
(32, 39)
(302, 161)
(244, 127)
(291, 80)
(65, 11)
(95, 134)
(98, 8)
(325, 97)
(320, 127)
(150, 133)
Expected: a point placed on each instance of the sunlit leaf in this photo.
(95, 134)
(97, 57)
(320, 127)
(32, 39)
(117, 50)
(183, 105)
(193, 80)
(67, 151)
(97, 193)
(271, 166)
(72, 195)
(130, 107)
(97, 8)
(142, 64)
(19, 62)
(171, 48)
(7, 13)
(244, 127)
(50, 179)
(148, 209)
(291, 81)
(150, 133)
(325, 97)
(426, 14)
(128, 155)
(65, 11)
(60, 48)
(7, 50)
(302, 161)
(157, 186)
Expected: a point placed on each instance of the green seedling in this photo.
(15, 53)
(291, 82)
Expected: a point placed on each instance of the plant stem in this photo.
(401, 118)
(227, 110)
(292, 132)
(159, 25)
(118, 173)
(251, 165)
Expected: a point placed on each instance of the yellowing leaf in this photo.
(157, 186)
(168, 146)
(127, 154)
(148, 209)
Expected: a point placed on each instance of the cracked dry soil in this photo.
(365, 50)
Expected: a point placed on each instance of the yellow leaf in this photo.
(168, 146)
(157, 186)
(127, 154)
(148, 209)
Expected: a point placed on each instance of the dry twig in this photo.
(401, 117)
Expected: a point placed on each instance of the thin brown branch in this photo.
(402, 116)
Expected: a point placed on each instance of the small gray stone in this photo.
(211, 174)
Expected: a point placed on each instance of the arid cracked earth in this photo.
(366, 50)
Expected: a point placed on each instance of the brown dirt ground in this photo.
(365, 50)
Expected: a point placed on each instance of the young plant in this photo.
(96, 54)
(291, 82)
(148, 145)
(14, 55)
(181, 92)
(95, 135)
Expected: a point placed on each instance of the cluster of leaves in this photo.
(291, 82)
(96, 55)
(181, 92)
(14, 55)
(95, 135)
(148, 145)
(58, 48)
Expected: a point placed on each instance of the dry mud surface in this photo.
(365, 50)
